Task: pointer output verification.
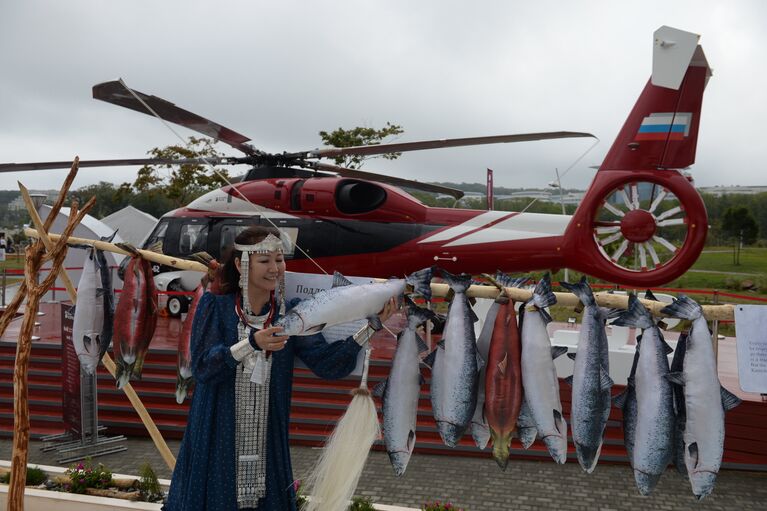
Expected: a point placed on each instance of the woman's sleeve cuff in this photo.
(241, 349)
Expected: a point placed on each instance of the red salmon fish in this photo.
(503, 380)
(184, 366)
(135, 320)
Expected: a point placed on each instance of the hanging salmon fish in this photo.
(135, 319)
(184, 361)
(88, 324)
(503, 379)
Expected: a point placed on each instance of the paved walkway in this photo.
(478, 484)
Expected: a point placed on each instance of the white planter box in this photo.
(44, 500)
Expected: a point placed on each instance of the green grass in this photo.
(752, 260)
(12, 262)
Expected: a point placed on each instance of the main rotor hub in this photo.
(638, 225)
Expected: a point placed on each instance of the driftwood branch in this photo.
(109, 364)
(35, 255)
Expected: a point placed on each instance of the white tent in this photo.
(90, 228)
(133, 225)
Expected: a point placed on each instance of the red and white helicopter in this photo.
(640, 223)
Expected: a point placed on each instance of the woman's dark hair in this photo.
(230, 277)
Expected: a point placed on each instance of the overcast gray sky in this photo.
(280, 71)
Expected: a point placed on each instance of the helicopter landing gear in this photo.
(177, 304)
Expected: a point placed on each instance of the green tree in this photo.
(108, 198)
(360, 136)
(739, 225)
(178, 184)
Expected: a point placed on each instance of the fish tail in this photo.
(501, 448)
(458, 283)
(543, 296)
(182, 388)
(683, 307)
(421, 282)
(419, 313)
(508, 281)
(636, 315)
(582, 290)
(138, 366)
(122, 374)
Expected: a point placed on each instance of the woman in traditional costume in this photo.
(235, 452)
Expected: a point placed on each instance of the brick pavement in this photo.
(478, 484)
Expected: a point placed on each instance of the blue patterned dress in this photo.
(205, 476)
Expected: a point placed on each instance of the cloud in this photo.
(280, 72)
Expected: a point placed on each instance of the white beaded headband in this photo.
(269, 244)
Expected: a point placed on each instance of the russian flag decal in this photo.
(665, 126)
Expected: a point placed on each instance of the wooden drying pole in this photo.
(133, 397)
(36, 256)
(175, 262)
(604, 299)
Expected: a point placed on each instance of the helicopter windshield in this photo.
(155, 240)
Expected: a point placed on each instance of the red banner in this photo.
(70, 374)
(490, 189)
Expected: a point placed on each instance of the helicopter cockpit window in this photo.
(155, 240)
(192, 238)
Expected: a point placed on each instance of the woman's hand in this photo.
(389, 309)
(268, 341)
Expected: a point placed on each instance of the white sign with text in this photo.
(751, 338)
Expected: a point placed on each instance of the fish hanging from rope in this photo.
(455, 365)
(539, 375)
(591, 380)
(654, 431)
(503, 380)
(88, 324)
(184, 378)
(706, 401)
(401, 391)
(135, 318)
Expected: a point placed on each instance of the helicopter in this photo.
(640, 223)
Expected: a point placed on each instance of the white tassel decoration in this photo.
(334, 479)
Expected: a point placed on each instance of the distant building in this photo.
(18, 203)
(718, 191)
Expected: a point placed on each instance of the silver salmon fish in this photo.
(455, 369)
(401, 391)
(591, 380)
(705, 399)
(343, 303)
(539, 375)
(88, 325)
(654, 433)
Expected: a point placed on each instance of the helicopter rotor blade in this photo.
(116, 93)
(47, 165)
(396, 181)
(367, 150)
